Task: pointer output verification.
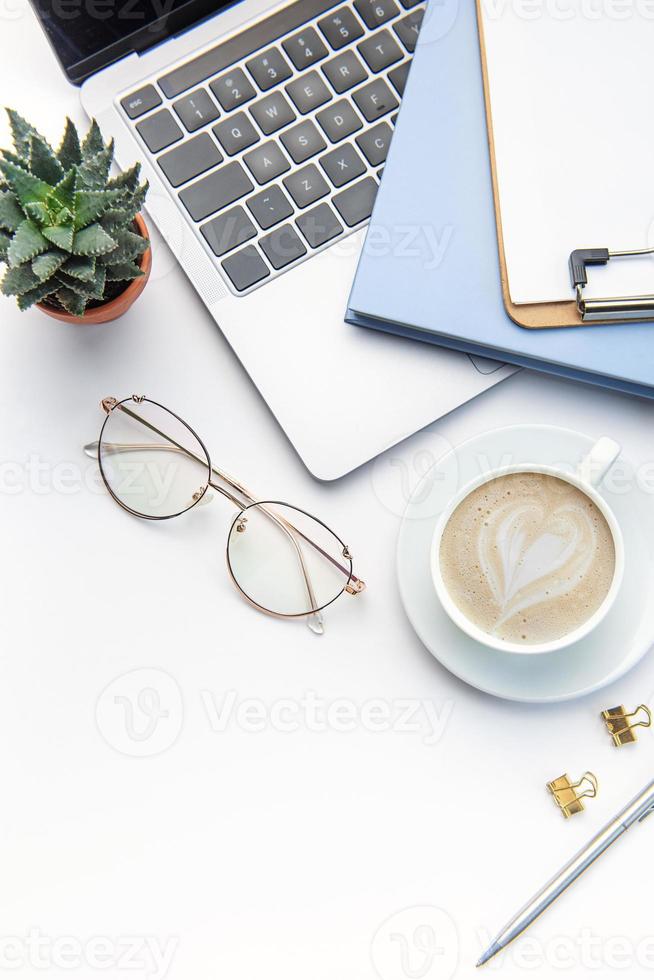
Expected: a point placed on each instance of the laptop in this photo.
(263, 129)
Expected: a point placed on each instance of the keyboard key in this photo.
(408, 4)
(236, 133)
(303, 141)
(339, 120)
(190, 159)
(140, 102)
(380, 51)
(272, 113)
(216, 191)
(245, 268)
(374, 143)
(305, 48)
(375, 99)
(267, 162)
(306, 186)
(308, 92)
(408, 29)
(269, 207)
(374, 13)
(342, 165)
(356, 202)
(196, 110)
(344, 72)
(319, 225)
(228, 230)
(159, 131)
(268, 69)
(282, 246)
(233, 89)
(398, 77)
(341, 28)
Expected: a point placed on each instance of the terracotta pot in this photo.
(115, 307)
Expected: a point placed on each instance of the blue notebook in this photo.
(429, 268)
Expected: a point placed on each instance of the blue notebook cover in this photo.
(429, 268)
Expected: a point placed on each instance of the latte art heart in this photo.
(527, 557)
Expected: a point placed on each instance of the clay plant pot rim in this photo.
(119, 304)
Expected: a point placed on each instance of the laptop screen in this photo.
(87, 35)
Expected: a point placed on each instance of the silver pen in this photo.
(639, 808)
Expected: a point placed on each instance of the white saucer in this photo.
(618, 643)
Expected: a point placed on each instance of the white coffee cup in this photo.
(588, 476)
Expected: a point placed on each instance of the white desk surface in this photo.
(236, 852)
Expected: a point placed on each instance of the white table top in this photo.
(274, 825)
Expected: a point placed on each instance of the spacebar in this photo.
(242, 45)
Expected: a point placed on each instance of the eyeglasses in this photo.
(283, 561)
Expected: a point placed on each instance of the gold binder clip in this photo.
(568, 796)
(620, 725)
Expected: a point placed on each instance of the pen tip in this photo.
(490, 952)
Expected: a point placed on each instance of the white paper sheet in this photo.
(572, 99)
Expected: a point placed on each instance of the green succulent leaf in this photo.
(18, 280)
(25, 186)
(26, 243)
(63, 194)
(90, 205)
(92, 174)
(72, 302)
(36, 295)
(38, 212)
(45, 265)
(5, 239)
(80, 267)
(43, 162)
(92, 290)
(11, 215)
(69, 153)
(126, 180)
(60, 235)
(92, 240)
(93, 142)
(124, 270)
(129, 246)
(21, 132)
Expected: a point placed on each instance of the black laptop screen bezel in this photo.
(87, 35)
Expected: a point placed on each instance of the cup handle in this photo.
(594, 467)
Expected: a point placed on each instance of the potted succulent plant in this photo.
(72, 237)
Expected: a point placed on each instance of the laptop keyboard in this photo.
(274, 141)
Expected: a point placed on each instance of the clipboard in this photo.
(538, 316)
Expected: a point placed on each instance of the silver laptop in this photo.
(263, 129)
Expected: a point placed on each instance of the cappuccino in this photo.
(527, 557)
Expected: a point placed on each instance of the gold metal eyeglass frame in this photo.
(239, 496)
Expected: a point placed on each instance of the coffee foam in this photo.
(527, 557)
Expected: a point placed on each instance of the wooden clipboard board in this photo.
(533, 316)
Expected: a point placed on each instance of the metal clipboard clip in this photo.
(610, 308)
